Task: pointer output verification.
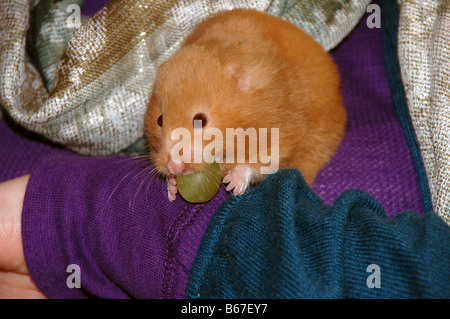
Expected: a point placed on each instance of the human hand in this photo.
(15, 280)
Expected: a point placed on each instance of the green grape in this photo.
(202, 186)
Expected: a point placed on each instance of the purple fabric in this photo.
(374, 156)
(113, 220)
(91, 7)
(110, 217)
(21, 150)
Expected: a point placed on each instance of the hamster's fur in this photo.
(247, 69)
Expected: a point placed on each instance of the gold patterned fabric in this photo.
(424, 56)
(88, 88)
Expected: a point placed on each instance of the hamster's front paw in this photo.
(172, 188)
(238, 179)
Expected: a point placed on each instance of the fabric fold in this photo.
(110, 217)
(298, 247)
(390, 35)
(424, 55)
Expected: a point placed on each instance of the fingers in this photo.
(12, 194)
(20, 286)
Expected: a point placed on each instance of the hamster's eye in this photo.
(160, 120)
(200, 117)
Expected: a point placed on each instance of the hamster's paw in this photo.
(238, 179)
(172, 188)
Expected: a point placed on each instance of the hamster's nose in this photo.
(176, 168)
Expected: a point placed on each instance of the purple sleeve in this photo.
(112, 218)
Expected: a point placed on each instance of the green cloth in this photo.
(282, 241)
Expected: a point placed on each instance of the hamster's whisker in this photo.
(140, 185)
(114, 190)
(139, 158)
(127, 176)
(153, 173)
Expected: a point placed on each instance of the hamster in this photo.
(247, 69)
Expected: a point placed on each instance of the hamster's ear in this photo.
(250, 77)
(236, 72)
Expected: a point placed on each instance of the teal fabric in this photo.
(282, 241)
